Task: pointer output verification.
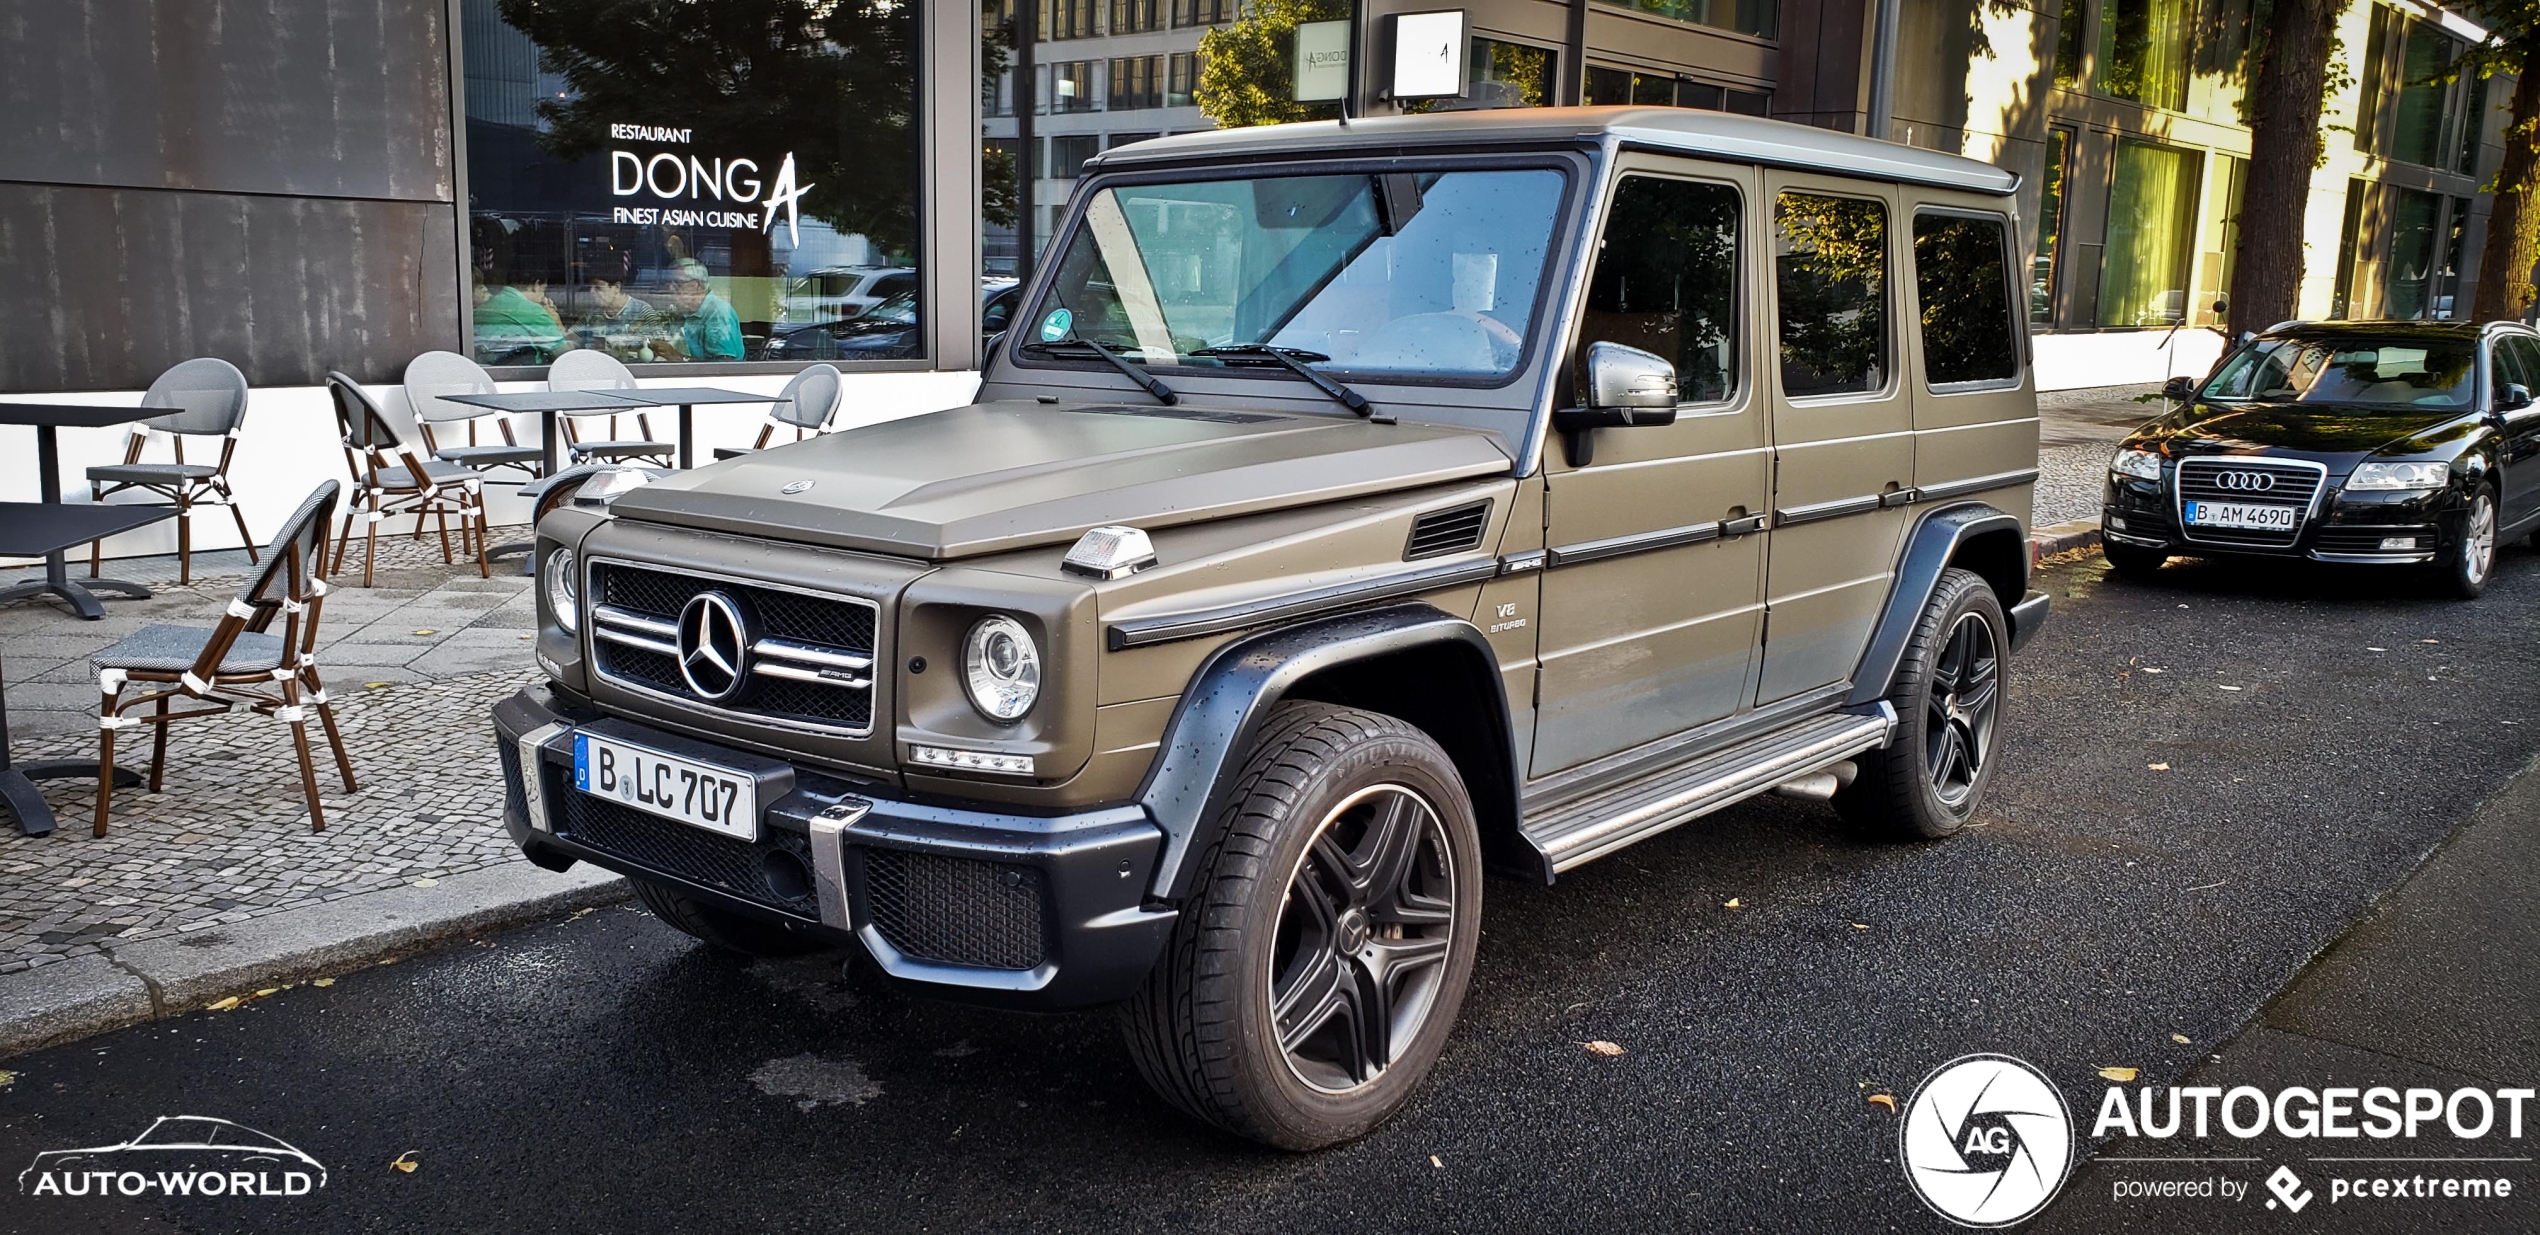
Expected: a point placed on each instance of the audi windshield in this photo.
(1435, 275)
(2398, 372)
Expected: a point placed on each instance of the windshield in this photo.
(1428, 276)
(2388, 372)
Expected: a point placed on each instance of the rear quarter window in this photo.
(1962, 279)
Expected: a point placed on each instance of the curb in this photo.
(170, 976)
(2046, 542)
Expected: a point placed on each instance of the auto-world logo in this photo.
(1987, 1141)
(178, 1155)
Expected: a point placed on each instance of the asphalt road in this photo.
(606, 1074)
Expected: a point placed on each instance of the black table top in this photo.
(671, 396)
(546, 401)
(75, 415)
(33, 529)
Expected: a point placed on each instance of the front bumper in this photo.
(2360, 528)
(991, 907)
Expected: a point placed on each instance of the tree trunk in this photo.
(2513, 229)
(2284, 144)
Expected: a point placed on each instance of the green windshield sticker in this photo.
(1054, 327)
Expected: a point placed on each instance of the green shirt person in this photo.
(708, 328)
(508, 322)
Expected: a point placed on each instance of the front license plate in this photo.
(2242, 515)
(716, 799)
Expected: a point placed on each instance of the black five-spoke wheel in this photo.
(1927, 781)
(1363, 938)
(1966, 691)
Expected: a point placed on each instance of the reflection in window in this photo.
(1182, 75)
(1071, 86)
(1666, 282)
(1761, 18)
(2151, 214)
(1068, 19)
(1136, 82)
(2403, 371)
(2068, 45)
(1136, 16)
(620, 201)
(1962, 275)
(2145, 49)
(1830, 274)
(1498, 75)
(2418, 116)
(1203, 12)
(2050, 227)
(2408, 292)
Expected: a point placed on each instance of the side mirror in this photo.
(2179, 389)
(2513, 398)
(1631, 382)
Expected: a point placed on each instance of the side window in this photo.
(1666, 282)
(1830, 272)
(2518, 360)
(1964, 284)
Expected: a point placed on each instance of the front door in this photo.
(1842, 428)
(2518, 455)
(1653, 600)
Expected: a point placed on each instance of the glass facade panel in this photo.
(1069, 19)
(2050, 227)
(1136, 16)
(2408, 292)
(2146, 50)
(2068, 44)
(619, 200)
(1962, 276)
(1074, 86)
(1203, 12)
(1666, 282)
(1136, 82)
(1761, 18)
(1830, 275)
(2417, 117)
(2151, 224)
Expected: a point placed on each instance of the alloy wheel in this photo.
(1364, 933)
(1966, 695)
(2478, 544)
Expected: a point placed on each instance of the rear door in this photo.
(2518, 357)
(1842, 424)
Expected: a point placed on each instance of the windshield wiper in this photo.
(1295, 359)
(1154, 385)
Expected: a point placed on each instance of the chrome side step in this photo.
(1591, 827)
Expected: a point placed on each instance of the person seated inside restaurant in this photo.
(708, 329)
(613, 320)
(516, 323)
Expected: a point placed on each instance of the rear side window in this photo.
(1666, 281)
(1830, 273)
(1962, 277)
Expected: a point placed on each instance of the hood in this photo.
(997, 476)
(2307, 428)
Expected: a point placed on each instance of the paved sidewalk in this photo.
(2076, 430)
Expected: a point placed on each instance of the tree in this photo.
(2285, 147)
(2505, 290)
(1246, 77)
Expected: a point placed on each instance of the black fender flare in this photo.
(1231, 695)
(1929, 548)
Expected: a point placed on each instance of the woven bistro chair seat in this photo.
(488, 456)
(169, 648)
(151, 473)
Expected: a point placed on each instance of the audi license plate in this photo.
(716, 799)
(2242, 515)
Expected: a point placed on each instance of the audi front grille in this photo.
(2253, 482)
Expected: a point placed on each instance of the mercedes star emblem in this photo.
(799, 486)
(714, 647)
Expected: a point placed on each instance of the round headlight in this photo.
(1002, 668)
(556, 575)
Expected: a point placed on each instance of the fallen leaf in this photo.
(1732, 903)
(525, 638)
(405, 1161)
(2231, 688)
(373, 685)
(1860, 926)
(2158, 767)
(389, 961)
(426, 630)
(2119, 1075)
(267, 991)
(2179, 1038)
(2429, 641)
(7, 1078)
(427, 883)
(1602, 1047)
(2376, 649)
(322, 982)
(1433, 1161)
(222, 1004)
(1886, 1100)
(2149, 669)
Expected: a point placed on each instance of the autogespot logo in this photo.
(1987, 1141)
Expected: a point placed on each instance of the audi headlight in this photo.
(2386, 477)
(556, 576)
(2136, 462)
(1002, 668)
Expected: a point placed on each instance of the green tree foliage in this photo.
(1831, 269)
(831, 81)
(1247, 69)
(2505, 288)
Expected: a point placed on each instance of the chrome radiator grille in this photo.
(797, 659)
(2255, 482)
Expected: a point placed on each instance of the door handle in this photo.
(1743, 527)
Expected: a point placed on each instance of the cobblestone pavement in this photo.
(412, 665)
(2077, 429)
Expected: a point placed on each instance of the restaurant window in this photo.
(2050, 227)
(2407, 293)
(2427, 97)
(2145, 50)
(1137, 16)
(1962, 277)
(1181, 76)
(1073, 86)
(1136, 82)
(2151, 220)
(1666, 282)
(1068, 154)
(619, 200)
(1760, 18)
(1830, 278)
(1203, 12)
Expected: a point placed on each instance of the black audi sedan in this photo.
(2410, 444)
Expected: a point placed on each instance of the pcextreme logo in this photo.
(1987, 1141)
(178, 1155)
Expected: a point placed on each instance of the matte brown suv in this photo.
(1349, 510)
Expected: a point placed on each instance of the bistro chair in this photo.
(587, 370)
(389, 480)
(237, 662)
(806, 404)
(210, 398)
(434, 374)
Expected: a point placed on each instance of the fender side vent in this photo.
(1441, 532)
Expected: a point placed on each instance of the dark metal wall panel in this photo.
(111, 286)
(328, 98)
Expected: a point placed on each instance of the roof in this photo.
(1721, 135)
(2390, 329)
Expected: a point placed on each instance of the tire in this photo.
(1948, 690)
(2465, 568)
(1229, 1027)
(729, 932)
(2133, 562)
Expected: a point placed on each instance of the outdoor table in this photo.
(687, 399)
(47, 417)
(31, 529)
(546, 403)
